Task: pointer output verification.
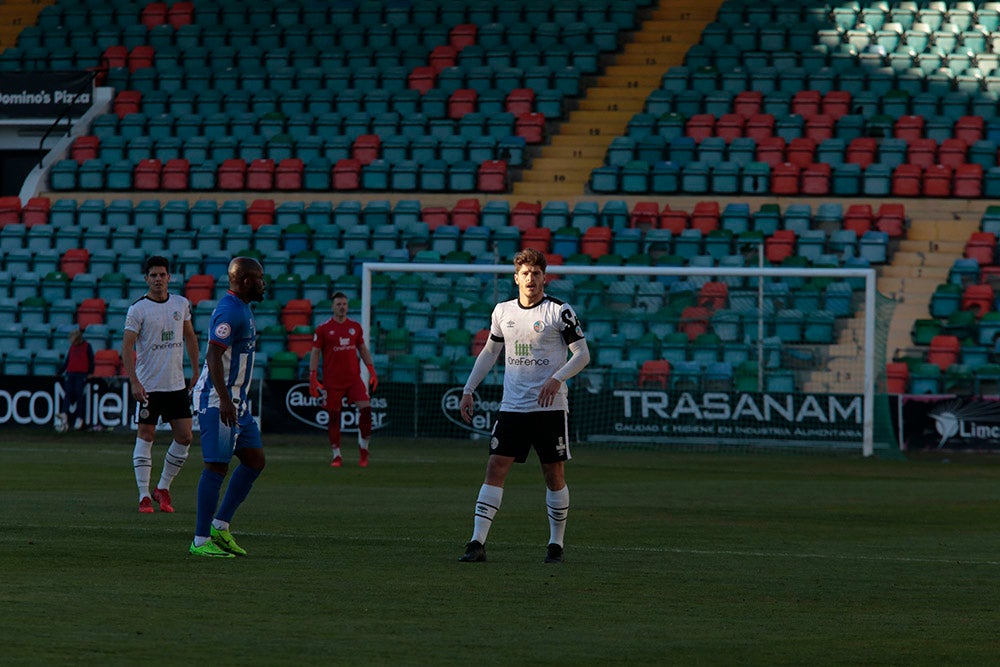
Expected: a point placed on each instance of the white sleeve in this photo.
(577, 362)
(484, 362)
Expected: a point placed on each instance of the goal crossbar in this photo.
(867, 274)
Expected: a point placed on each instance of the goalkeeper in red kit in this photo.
(341, 341)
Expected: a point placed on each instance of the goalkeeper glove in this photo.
(372, 378)
(314, 385)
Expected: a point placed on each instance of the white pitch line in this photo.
(582, 547)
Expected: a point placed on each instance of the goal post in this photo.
(807, 334)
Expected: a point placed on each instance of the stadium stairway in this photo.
(936, 237)
(15, 15)
(563, 167)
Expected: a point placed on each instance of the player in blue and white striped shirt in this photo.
(222, 401)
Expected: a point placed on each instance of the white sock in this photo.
(220, 525)
(362, 443)
(336, 452)
(173, 461)
(557, 504)
(487, 505)
(201, 541)
(142, 463)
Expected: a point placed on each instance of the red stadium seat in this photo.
(366, 148)
(981, 247)
(147, 174)
(140, 56)
(36, 211)
(422, 78)
(694, 321)
(978, 298)
(596, 242)
(10, 210)
(748, 103)
(176, 174)
(891, 219)
(906, 180)
(801, 151)
(675, 221)
(539, 238)
(909, 128)
(107, 363)
(435, 216)
(492, 176)
(260, 174)
(655, 372)
(115, 56)
(705, 216)
(479, 341)
(199, 287)
(466, 213)
(520, 101)
(786, 179)
(154, 14)
(858, 218)
(944, 351)
(644, 215)
(525, 215)
(74, 261)
(288, 174)
(952, 152)
(232, 174)
(713, 295)
(90, 311)
(968, 182)
(297, 312)
(770, 150)
(807, 103)
(461, 102)
(779, 245)
(700, 126)
(730, 126)
(820, 127)
(347, 175)
(816, 179)
(937, 181)
(260, 213)
(180, 13)
(126, 102)
(861, 150)
(837, 103)
(760, 126)
(85, 147)
(922, 151)
(441, 57)
(462, 35)
(969, 129)
(531, 127)
(897, 377)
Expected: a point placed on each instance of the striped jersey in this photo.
(536, 343)
(232, 328)
(159, 344)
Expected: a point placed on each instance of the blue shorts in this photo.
(219, 442)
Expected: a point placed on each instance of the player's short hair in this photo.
(338, 295)
(531, 257)
(153, 261)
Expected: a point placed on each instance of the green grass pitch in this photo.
(671, 558)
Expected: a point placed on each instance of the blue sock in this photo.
(239, 486)
(208, 499)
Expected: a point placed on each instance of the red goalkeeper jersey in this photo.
(338, 341)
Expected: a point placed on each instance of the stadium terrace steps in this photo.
(661, 41)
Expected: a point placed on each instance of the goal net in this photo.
(726, 356)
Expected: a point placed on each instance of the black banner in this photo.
(951, 422)
(44, 94)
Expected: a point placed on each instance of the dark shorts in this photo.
(165, 405)
(516, 433)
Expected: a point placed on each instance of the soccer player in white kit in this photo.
(157, 331)
(534, 331)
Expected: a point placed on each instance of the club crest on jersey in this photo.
(351, 331)
(538, 326)
(223, 330)
(177, 316)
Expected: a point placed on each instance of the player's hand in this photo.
(547, 394)
(139, 392)
(372, 379)
(465, 408)
(314, 385)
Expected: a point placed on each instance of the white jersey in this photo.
(159, 347)
(536, 343)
